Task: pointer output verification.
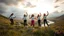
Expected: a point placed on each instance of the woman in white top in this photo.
(32, 20)
(25, 19)
(11, 18)
(39, 19)
(45, 18)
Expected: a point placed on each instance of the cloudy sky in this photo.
(19, 7)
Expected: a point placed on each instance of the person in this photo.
(45, 18)
(32, 20)
(39, 19)
(59, 33)
(25, 19)
(11, 18)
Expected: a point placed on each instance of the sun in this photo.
(41, 6)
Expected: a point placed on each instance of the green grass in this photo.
(9, 30)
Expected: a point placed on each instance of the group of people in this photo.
(32, 17)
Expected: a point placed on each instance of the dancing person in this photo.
(39, 19)
(12, 18)
(45, 18)
(25, 19)
(32, 20)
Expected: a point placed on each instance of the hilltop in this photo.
(10, 30)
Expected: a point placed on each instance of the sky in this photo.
(19, 7)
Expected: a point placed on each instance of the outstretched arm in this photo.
(14, 16)
(9, 16)
(47, 13)
(40, 14)
(29, 16)
(26, 13)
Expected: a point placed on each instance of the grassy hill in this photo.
(10, 30)
(59, 23)
(4, 20)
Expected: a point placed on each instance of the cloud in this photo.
(3, 8)
(62, 2)
(56, 0)
(59, 0)
(9, 1)
(5, 3)
(9, 6)
(59, 5)
(56, 6)
(6, 9)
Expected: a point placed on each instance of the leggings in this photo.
(12, 21)
(39, 22)
(25, 22)
(32, 22)
(45, 21)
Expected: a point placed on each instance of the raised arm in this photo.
(40, 14)
(47, 13)
(26, 13)
(10, 15)
(29, 17)
(14, 16)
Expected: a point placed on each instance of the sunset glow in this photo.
(32, 6)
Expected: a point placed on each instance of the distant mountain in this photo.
(55, 15)
(60, 17)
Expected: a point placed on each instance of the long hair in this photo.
(24, 15)
(11, 14)
(32, 15)
(38, 15)
(44, 14)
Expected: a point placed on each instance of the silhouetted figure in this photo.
(39, 19)
(11, 18)
(45, 18)
(25, 19)
(59, 33)
(32, 20)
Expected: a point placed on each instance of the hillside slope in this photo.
(9, 30)
(61, 17)
(59, 23)
(4, 20)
